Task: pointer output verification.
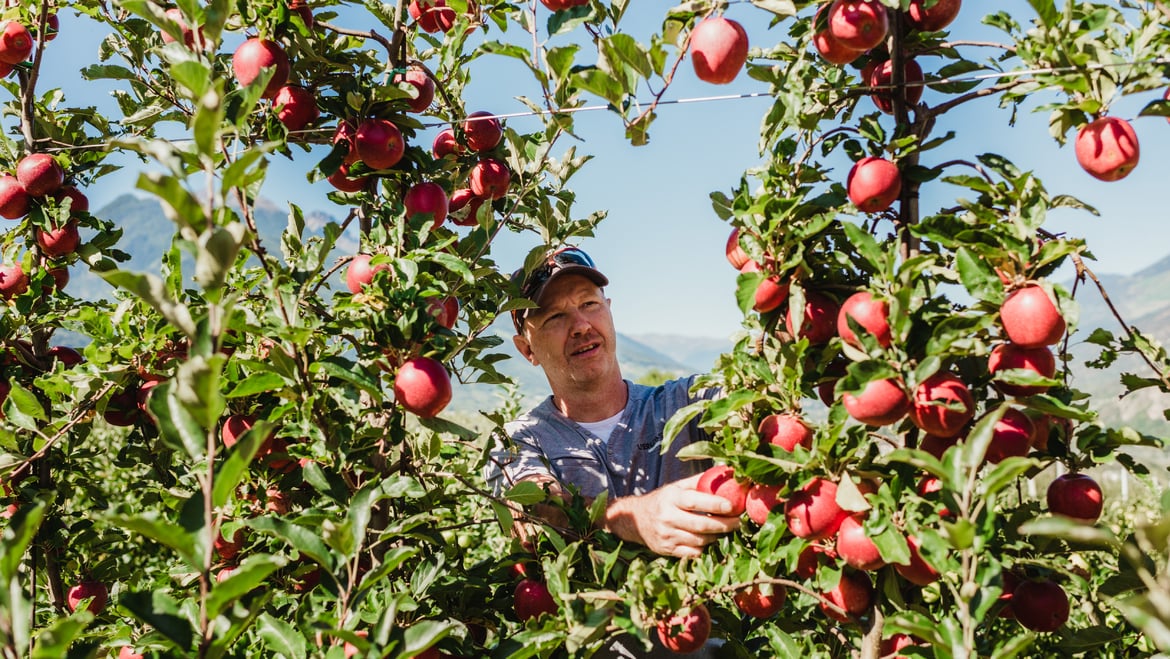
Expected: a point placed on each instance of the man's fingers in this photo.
(701, 502)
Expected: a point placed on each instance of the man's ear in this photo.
(525, 349)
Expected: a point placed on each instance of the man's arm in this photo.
(673, 520)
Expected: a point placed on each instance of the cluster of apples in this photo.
(16, 42)
(39, 180)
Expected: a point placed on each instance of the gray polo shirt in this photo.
(547, 443)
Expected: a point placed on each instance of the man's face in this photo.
(571, 336)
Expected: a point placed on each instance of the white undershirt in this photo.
(604, 428)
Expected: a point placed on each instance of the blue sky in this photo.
(662, 246)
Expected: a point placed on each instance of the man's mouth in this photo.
(587, 348)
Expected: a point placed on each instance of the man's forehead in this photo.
(566, 288)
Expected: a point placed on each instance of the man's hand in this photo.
(674, 520)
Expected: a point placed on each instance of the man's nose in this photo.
(580, 324)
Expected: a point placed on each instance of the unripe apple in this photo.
(812, 511)
(854, 545)
(16, 43)
(87, 590)
(719, 48)
(761, 501)
(918, 571)
(422, 386)
(942, 405)
(1076, 496)
(255, 55)
(483, 131)
(379, 143)
(880, 403)
(59, 242)
(360, 273)
(867, 311)
(873, 184)
(735, 254)
(883, 75)
(463, 207)
(858, 24)
(933, 18)
(445, 144)
(685, 631)
(427, 199)
(853, 593)
(532, 599)
(1030, 318)
(432, 15)
(818, 323)
(40, 174)
(14, 199)
(1041, 606)
(424, 88)
(1011, 436)
(296, 107)
(771, 292)
(1008, 356)
(761, 600)
(720, 481)
(786, 431)
(1108, 148)
(490, 178)
(13, 281)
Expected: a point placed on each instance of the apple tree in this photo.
(246, 452)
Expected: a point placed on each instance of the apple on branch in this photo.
(719, 48)
(253, 57)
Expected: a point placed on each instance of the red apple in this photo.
(831, 50)
(66, 355)
(379, 143)
(296, 107)
(463, 207)
(483, 131)
(881, 403)
(432, 15)
(427, 199)
(360, 273)
(87, 590)
(234, 427)
(40, 174)
(302, 9)
(344, 135)
(812, 511)
(1030, 318)
(122, 408)
(445, 311)
(858, 24)
(1012, 436)
(719, 48)
(13, 281)
(255, 55)
(16, 43)
(59, 242)
(761, 501)
(78, 203)
(561, 5)
(883, 76)
(424, 88)
(786, 431)
(720, 481)
(771, 293)
(874, 184)
(142, 396)
(1041, 606)
(532, 599)
(342, 181)
(229, 549)
(127, 652)
(918, 571)
(1108, 148)
(685, 631)
(853, 593)
(936, 445)
(1076, 496)
(490, 178)
(1008, 356)
(190, 37)
(760, 600)
(735, 254)
(818, 324)
(422, 386)
(892, 644)
(942, 405)
(854, 545)
(14, 199)
(935, 17)
(809, 561)
(870, 313)
(445, 144)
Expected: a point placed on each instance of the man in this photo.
(599, 432)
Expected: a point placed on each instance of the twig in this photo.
(980, 93)
(386, 43)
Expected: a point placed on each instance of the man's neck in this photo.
(594, 404)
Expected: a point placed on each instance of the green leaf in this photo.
(1005, 474)
(152, 290)
(456, 265)
(54, 640)
(179, 205)
(978, 277)
(218, 248)
(425, 633)
(679, 421)
(16, 537)
(23, 409)
(1071, 531)
(163, 532)
(256, 383)
(344, 369)
(177, 428)
(281, 637)
(866, 246)
(247, 576)
(159, 610)
(306, 541)
(783, 8)
(526, 493)
(233, 469)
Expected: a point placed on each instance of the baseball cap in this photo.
(557, 263)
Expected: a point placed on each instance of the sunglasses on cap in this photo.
(565, 258)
